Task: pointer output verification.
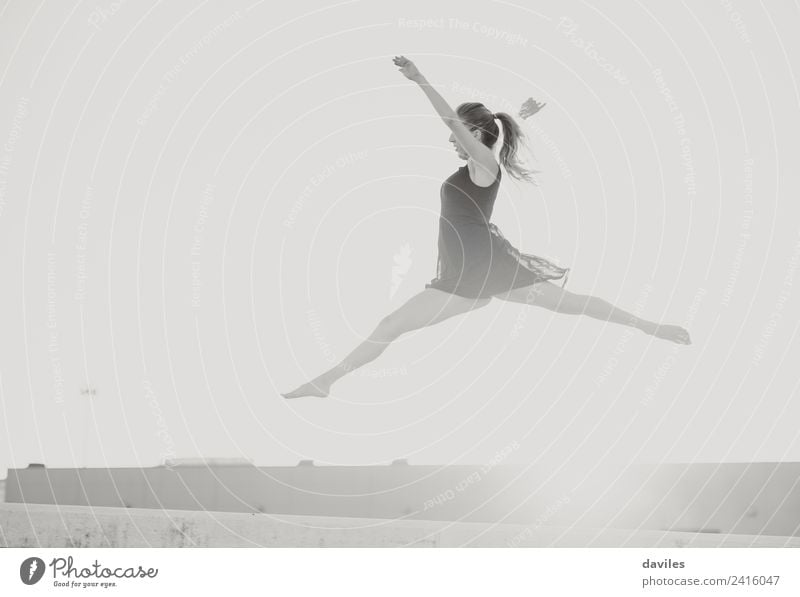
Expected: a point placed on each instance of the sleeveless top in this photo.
(475, 259)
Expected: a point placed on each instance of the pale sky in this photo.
(202, 205)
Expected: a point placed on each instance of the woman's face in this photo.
(460, 150)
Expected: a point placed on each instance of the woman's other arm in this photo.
(481, 154)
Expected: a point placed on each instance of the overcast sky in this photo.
(202, 205)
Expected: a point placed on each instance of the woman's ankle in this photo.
(324, 381)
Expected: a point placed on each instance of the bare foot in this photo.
(310, 388)
(674, 333)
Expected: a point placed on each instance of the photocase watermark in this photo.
(382, 372)
(744, 232)
(534, 291)
(163, 432)
(169, 77)
(613, 361)
(522, 316)
(736, 18)
(679, 120)
(568, 28)
(780, 303)
(550, 143)
(551, 510)
(473, 478)
(402, 265)
(686, 158)
(315, 323)
(100, 14)
(669, 361)
(315, 181)
(52, 327)
(486, 30)
(197, 242)
(91, 576)
(80, 245)
(496, 102)
(6, 157)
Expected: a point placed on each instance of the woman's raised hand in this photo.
(530, 107)
(408, 68)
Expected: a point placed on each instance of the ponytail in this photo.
(478, 116)
(512, 139)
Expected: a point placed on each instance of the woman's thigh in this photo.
(427, 308)
(544, 294)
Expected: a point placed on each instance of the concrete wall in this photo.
(752, 499)
(25, 525)
(421, 492)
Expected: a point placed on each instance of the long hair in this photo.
(477, 116)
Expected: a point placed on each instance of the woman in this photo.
(475, 261)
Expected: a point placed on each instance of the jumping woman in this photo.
(475, 261)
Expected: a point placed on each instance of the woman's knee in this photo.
(480, 302)
(390, 328)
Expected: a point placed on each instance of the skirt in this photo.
(483, 265)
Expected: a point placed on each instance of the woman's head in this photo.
(481, 122)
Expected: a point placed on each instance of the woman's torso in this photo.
(464, 202)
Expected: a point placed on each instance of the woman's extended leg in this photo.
(550, 296)
(425, 309)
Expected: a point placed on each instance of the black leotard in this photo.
(475, 259)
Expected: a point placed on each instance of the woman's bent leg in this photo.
(550, 296)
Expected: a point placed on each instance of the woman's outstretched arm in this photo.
(473, 146)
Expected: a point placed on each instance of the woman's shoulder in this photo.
(481, 177)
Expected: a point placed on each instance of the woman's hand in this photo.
(530, 107)
(408, 68)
